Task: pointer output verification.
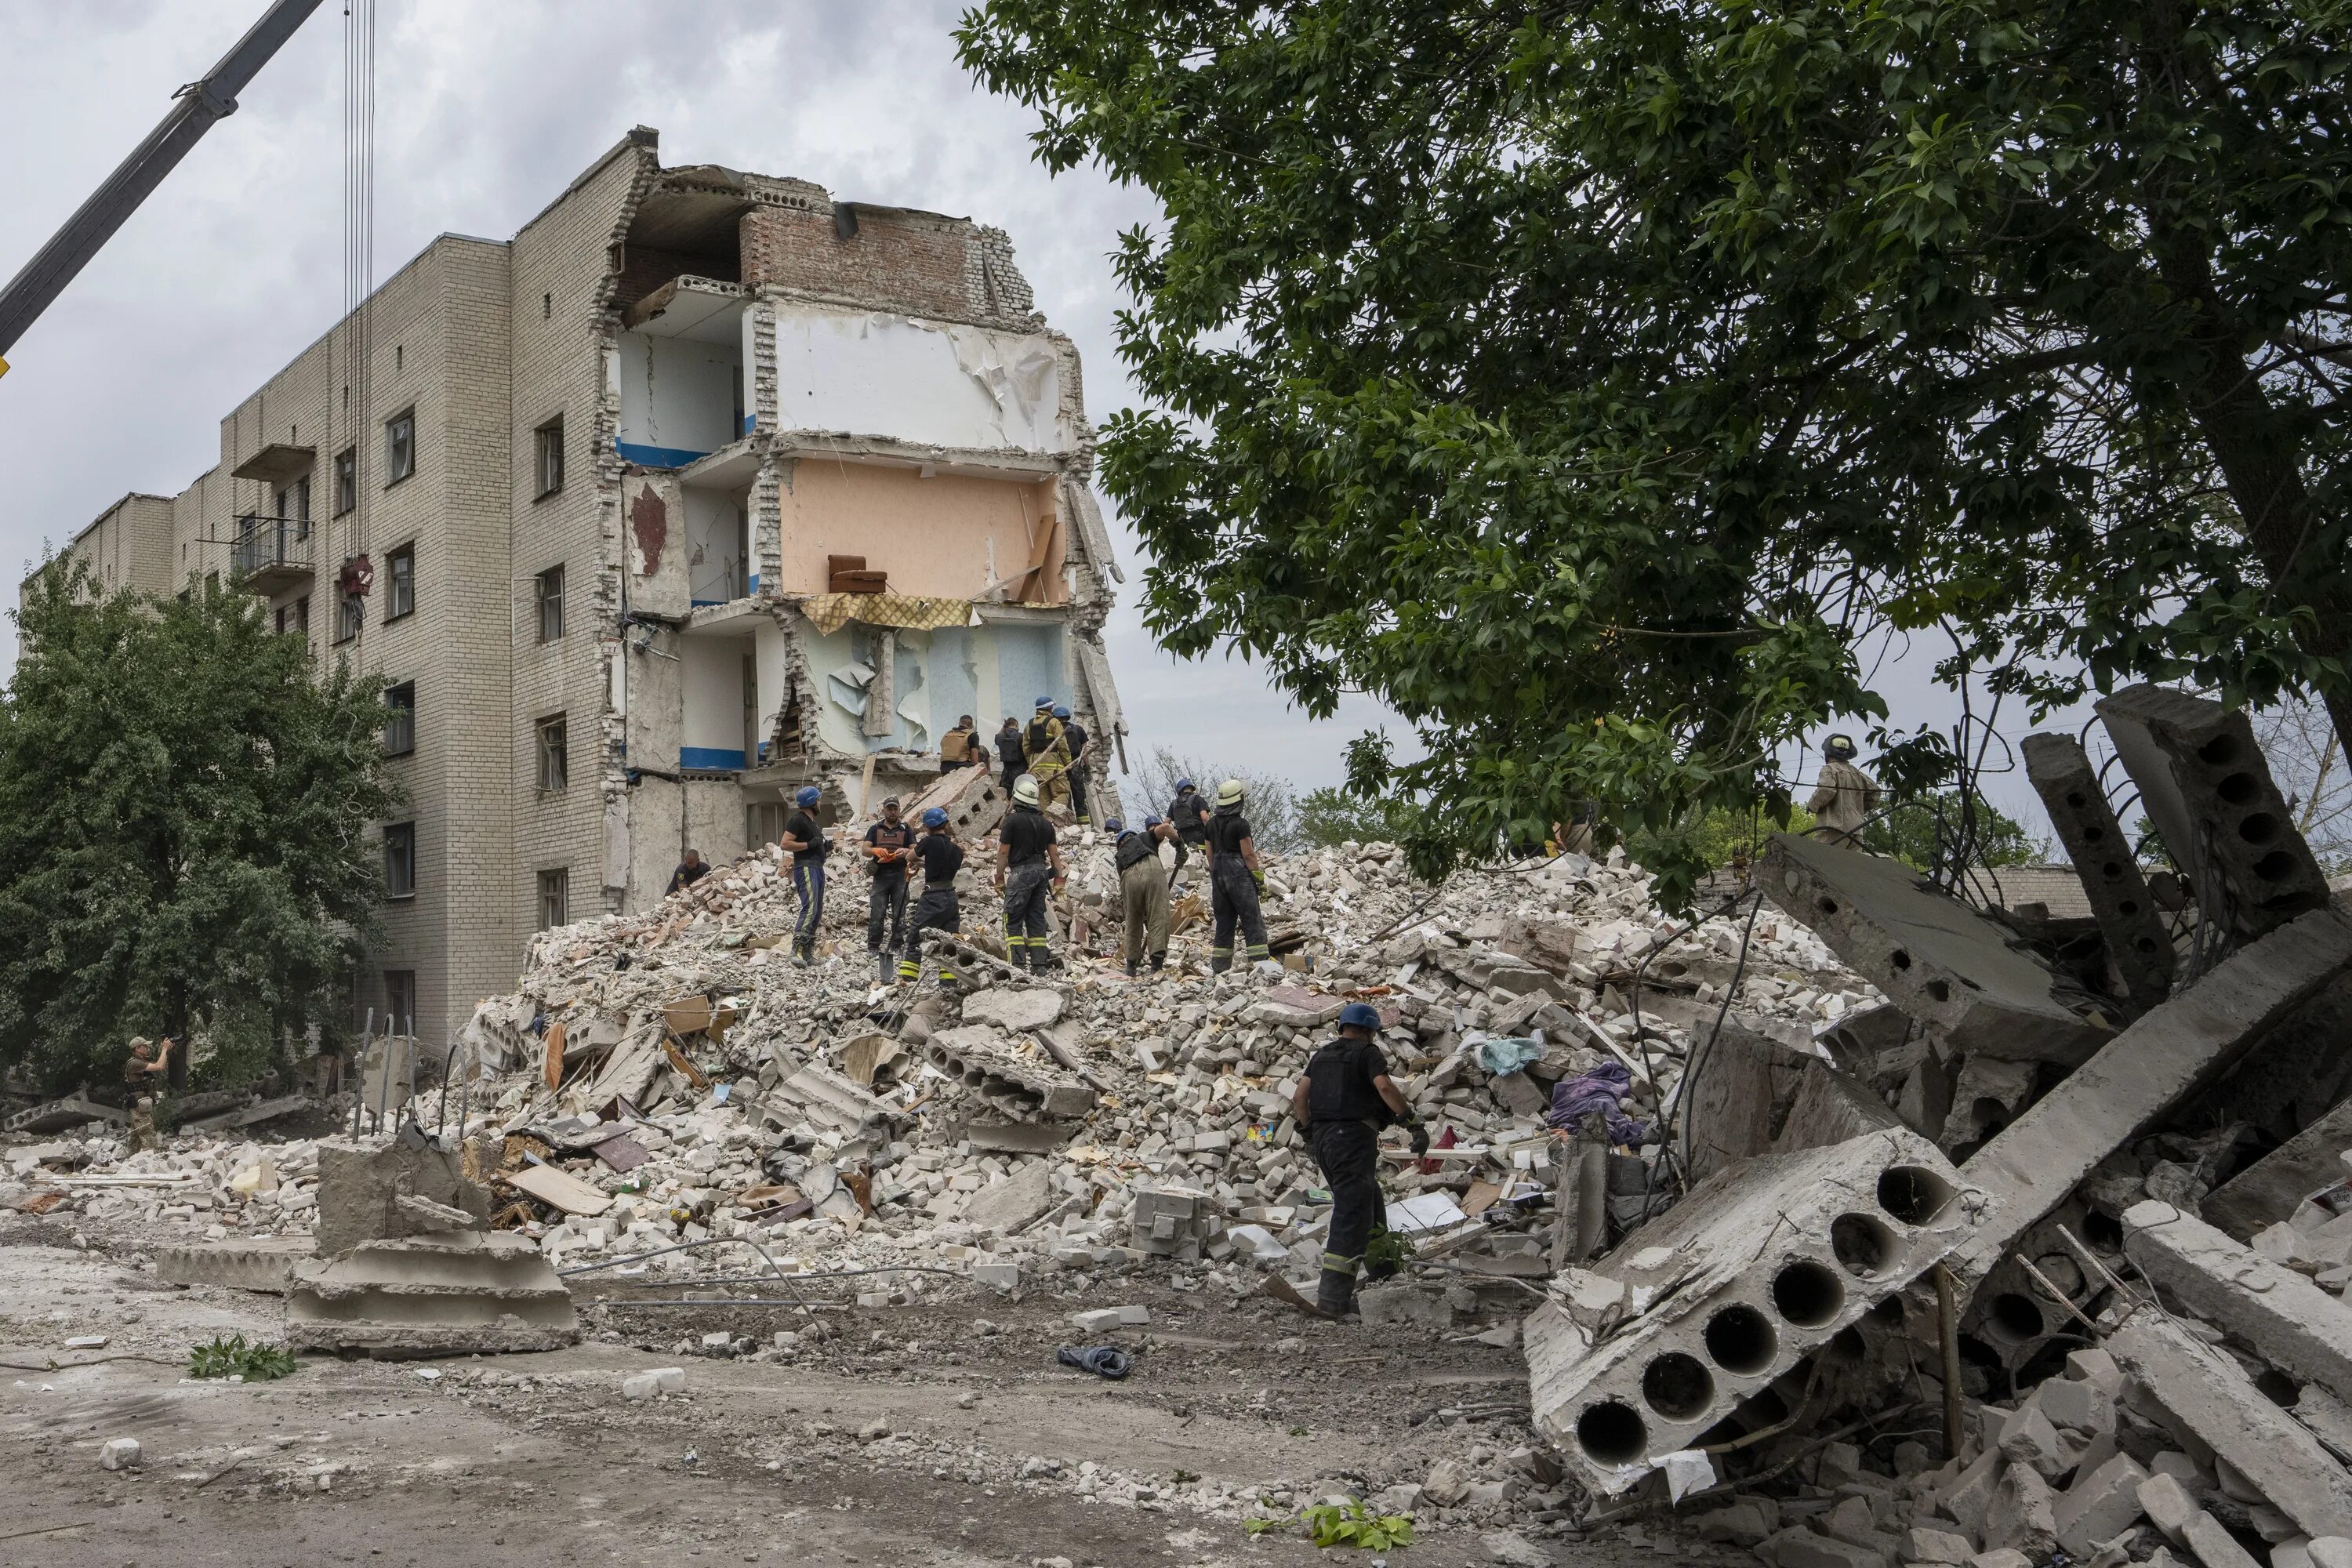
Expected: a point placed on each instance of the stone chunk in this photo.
(1399, 1302)
(2100, 1506)
(2330, 1551)
(1922, 1543)
(2023, 1514)
(1015, 1202)
(1741, 1524)
(118, 1453)
(361, 1182)
(2301, 1328)
(1025, 1007)
(656, 1381)
(1103, 1320)
(2266, 1192)
(1803, 1548)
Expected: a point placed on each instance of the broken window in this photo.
(554, 766)
(554, 898)
(400, 1000)
(399, 447)
(347, 479)
(551, 603)
(400, 582)
(399, 719)
(400, 861)
(549, 443)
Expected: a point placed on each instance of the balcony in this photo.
(270, 553)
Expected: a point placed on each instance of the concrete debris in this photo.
(454, 1293)
(118, 1453)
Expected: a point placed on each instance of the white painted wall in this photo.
(869, 374)
(713, 678)
(677, 393)
(715, 567)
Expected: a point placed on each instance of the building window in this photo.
(551, 603)
(295, 618)
(399, 719)
(554, 767)
(349, 611)
(554, 898)
(400, 582)
(399, 447)
(347, 479)
(550, 445)
(400, 1000)
(400, 861)
(294, 504)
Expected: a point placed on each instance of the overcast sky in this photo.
(484, 113)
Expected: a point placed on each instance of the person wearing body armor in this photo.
(1235, 880)
(888, 841)
(1028, 867)
(941, 857)
(1010, 760)
(1142, 891)
(959, 747)
(1344, 1099)
(1047, 753)
(1074, 737)
(1187, 813)
(1845, 797)
(806, 839)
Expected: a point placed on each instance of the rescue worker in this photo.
(689, 871)
(941, 857)
(959, 747)
(1048, 755)
(1009, 756)
(1344, 1099)
(1028, 867)
(806, 839)
(1844, 796)
(1187, 813)
(144, 1062)
(1235, 880)
(888, 842)
(1142, 891)
(1074, 736)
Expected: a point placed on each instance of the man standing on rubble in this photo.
(1074, 736)
(806, 839)
(959, 747)
(689, 871)
(1028, 867)
(1142, 891)
(1344, 1099)
(1187, 813)
(1049, 753)
(1010, 756)
(890, 842)
(144, 1062)
(937, 910)
(1235, 880)
(1844, 796)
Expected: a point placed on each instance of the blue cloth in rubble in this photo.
(1601, 1089)
(1103, 1360)
(1500, 1057)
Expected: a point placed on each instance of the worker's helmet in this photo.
(1359, 1015)
(1024, 790)
(809, 795)
(1114, 826)
(1045, 703)
(1230, 793)
(1840, 746)
(1060, 711)
(936, 818)
(1150, 821)
(1183, 785)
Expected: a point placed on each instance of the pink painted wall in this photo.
(934, 536)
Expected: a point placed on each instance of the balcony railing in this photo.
(269, 551)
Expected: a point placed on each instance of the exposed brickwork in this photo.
(920, 263)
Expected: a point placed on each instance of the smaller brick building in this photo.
(589, 499)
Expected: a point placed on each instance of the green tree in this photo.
(1328, 816)
(1589, 382)
(183, 814)
(1272, 809)
(1926, 833)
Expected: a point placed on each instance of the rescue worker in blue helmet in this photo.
(806, 839)
(1344, 1099)
(1235, 880)
(1074, 737)
(937, 910)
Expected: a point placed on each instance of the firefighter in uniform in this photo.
(1846, 797)
(887, 841)
(1047, 753)
(1343, 1101)
(941, 857)
(1028, 866)
(1235, 879)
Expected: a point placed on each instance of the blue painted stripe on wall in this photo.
(710, 759)
(656, 457)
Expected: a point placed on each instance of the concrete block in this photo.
(2096, 1367)
(458, 1293)
(1969, 1497)
(2330, 1551)
(2101, 1505)
(1015, 1008)
(2076, 1407)
(2023, 1514)
(1924, 1543)
(2214, 1546)
(2267, 1191)
(1803, 1548)
(361, 1182)
(2028, 1438)
(1739, 1102)
(1399, 1302)
(1016, 1203)
(2204, 782)
(980, 1056)
(2296, 1325)
(2137, 943)
(1830, 1107)
(264, 1264)
(997, 1273)
(2207, 1395)
(1165, 1219)
(2031, 1165)
(118, 1453)
(1741, 1524)
(654, 1380)
(1953, 969)
(2005, 1557)
(1850, 1521)
(1104, 1320)
(1710, 1315)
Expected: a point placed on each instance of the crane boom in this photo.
(194, 107)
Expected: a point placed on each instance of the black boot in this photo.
(1159, 961)
(1131, 968)
(1336, 1295)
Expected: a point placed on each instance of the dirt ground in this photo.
(943, 1433)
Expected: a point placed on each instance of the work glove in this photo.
(1419, 1137)
(1259, 878)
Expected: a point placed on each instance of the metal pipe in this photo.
(1947, 1327)
(384, 1089)
(441, 1105)
(359, 1074)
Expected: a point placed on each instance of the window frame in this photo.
(351, 616)
(547, 442)
(407, 690)
(543, 601)
(395, 471)
(396, 608)
(555, 894)
(347, 480)
(559, 753)
(403, 834)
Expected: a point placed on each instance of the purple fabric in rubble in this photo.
(1574, 1099)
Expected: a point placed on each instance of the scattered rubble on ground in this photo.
(2014, 1242)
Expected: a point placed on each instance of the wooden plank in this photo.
(566, 1192)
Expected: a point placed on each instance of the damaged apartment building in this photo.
(703, 486)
